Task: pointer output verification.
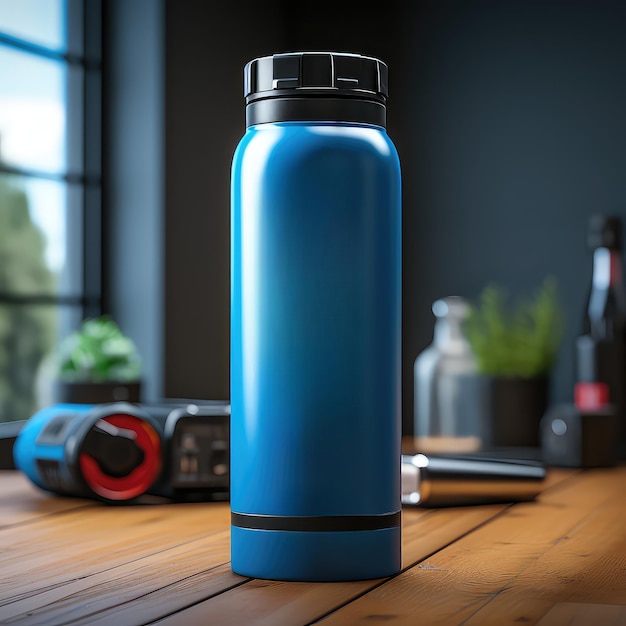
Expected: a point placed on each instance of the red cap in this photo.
(141, 478)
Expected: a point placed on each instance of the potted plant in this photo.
(98, 363)
(516, 345)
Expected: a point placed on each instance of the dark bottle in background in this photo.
(601, 349)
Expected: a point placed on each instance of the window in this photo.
(50, 225)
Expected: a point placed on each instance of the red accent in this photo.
(591, 396)
(141, 478)
(615, 268)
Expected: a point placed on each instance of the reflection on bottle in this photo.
(447, 409)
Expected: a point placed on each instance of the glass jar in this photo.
(447, 409)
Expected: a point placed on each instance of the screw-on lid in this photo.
(315, 86)
(604, 232)
(316, 72)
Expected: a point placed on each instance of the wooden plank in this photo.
(475, 579)
(588, 564)
(134, 564)
(23, 502)
(275, 603)
(60, 549)
(125, 594)
(182, 575)
(165, 601)
(580, 614)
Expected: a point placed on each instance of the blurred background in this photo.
(119, 118)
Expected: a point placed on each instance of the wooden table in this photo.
(558, 560)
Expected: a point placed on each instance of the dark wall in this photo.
(205, 53)
(517, 133)
(510, 125)
(206, 50)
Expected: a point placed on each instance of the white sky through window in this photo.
(33, 113)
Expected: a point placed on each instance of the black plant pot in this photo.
(96, 393)
(513, 409)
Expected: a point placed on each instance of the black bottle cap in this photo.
(308, 73)
(311, 86)
(604, 232)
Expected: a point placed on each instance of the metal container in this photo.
(315, 327)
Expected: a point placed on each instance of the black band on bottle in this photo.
(327, 523)
(316, 108)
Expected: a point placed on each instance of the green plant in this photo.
(98, 352)
(519, 338)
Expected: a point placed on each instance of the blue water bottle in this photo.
(316, 322)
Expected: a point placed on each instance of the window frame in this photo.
(83, 26)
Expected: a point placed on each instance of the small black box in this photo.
(572, 438)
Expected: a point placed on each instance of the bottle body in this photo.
(447, 410)
(315, 352)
